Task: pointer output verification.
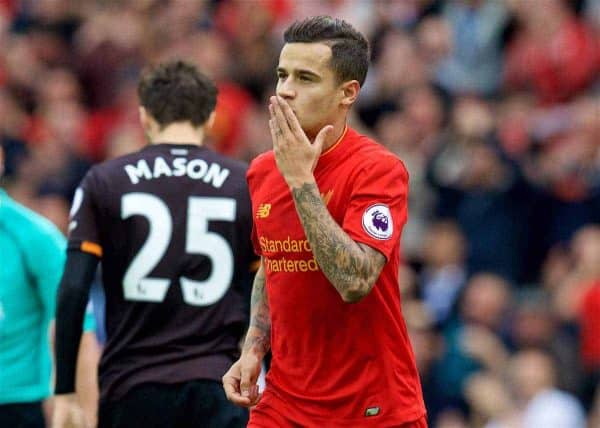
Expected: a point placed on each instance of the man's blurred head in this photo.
(472, 118)
(531, 372)
(533, 322)
(486, 300)
(585, 247)
(444, 245)
(177, 92)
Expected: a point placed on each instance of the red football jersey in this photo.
(335, 363)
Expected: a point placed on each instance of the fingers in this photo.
(282, 127)
(251, 392)
(69, 417)
(290, 117)
(78, 419)
(231, 386)
(274, 130)
(295, 155)
(246, 395)
(285, 119)
(248, 385)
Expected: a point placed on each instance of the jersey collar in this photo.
(339, 140)
(336, 150)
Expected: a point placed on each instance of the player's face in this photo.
(307, 82)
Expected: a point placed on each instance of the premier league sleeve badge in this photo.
(377, 222)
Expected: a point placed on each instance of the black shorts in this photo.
(22, 415)
(199, 403)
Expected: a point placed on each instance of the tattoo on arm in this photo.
(258, 338)
(351, 267)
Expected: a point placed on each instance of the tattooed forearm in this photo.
(258, 338)
(351, 267)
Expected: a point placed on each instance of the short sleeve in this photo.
(41, 246)
(83, 218)
(377, 210)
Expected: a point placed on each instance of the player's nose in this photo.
(286, 90)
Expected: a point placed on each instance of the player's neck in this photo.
(178, 133)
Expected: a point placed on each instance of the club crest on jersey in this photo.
(263, 211)
(377, 221)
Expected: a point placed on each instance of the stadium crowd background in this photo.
(493, 105)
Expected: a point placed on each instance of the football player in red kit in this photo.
(328, 208)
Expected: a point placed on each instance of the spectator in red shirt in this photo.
(554, 53)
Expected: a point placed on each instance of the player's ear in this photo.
(350, 92)
(144, 119)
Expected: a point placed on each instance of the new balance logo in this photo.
(263, 211)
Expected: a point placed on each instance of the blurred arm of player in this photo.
(73, 295)
(351, 267)
(87, 376)
(240, 381)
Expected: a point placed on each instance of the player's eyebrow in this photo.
(299, 72)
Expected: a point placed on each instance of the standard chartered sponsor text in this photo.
(287, 265)
(288, 245)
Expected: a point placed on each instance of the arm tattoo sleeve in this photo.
(351, 267)
(258, 338)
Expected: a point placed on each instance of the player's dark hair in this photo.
(349, 48)
(177, 92)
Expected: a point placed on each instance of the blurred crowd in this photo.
(493, 105)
